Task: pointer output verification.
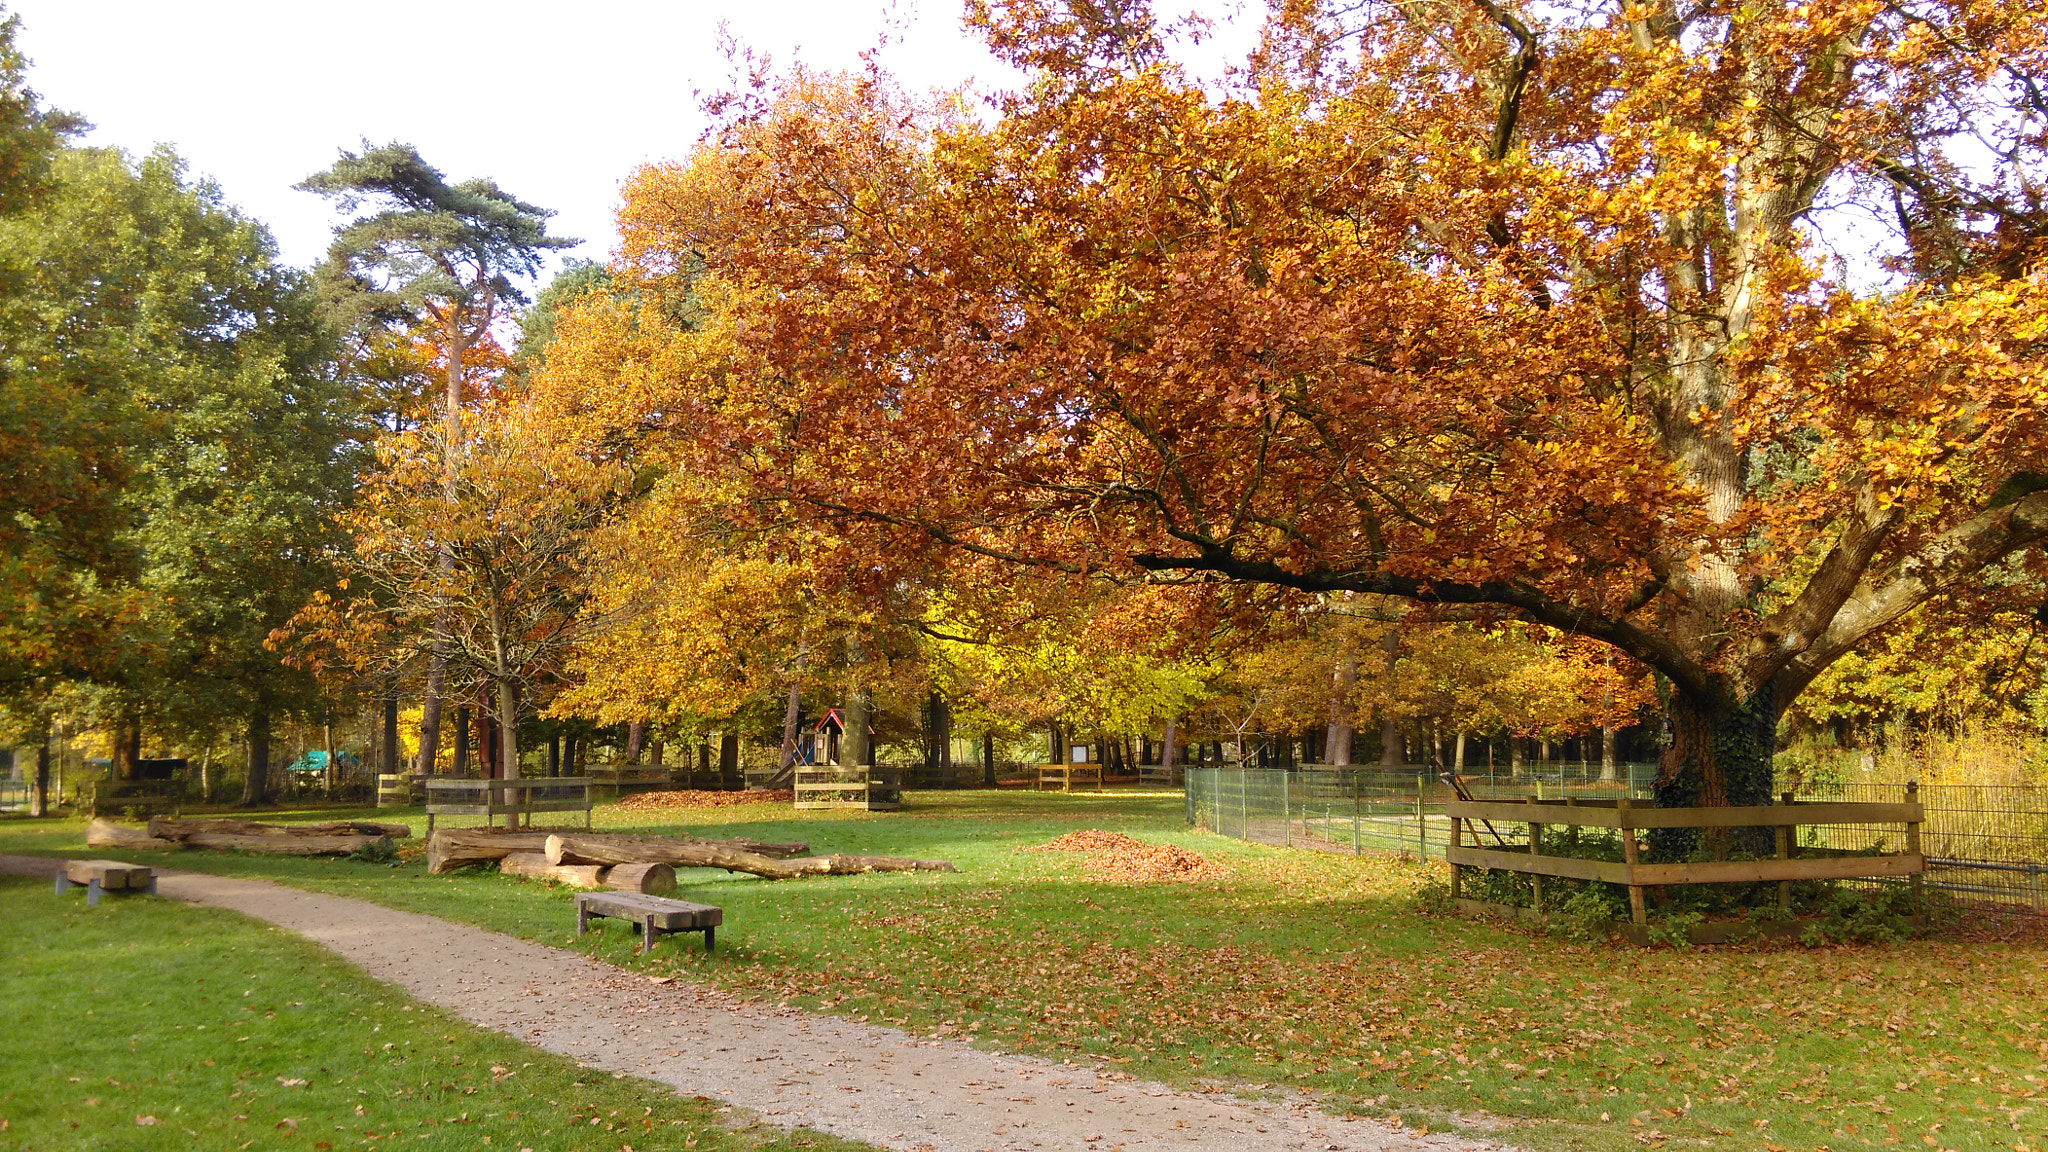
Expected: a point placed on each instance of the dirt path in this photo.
(791, 1067)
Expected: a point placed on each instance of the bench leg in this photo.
(92, 893)
(647, 935)
(63, 883)
(710, 940)
(582, 919)
(152, 884)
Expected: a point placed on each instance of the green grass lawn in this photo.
(1312, 972)
(146, 1024)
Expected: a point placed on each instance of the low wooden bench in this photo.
(105, 876)
(652, 913)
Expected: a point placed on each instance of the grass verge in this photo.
(1316, 973)
(144, 1024)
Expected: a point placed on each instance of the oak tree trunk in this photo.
(256, 782)
(388, 761)
(39, 790)
(1720, 756)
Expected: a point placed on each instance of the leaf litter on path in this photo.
(1116, 857)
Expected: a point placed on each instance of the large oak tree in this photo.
(1709, 332)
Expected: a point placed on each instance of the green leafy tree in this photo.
(196, 365)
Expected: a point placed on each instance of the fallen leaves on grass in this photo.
(1117, 857)
(703, 798)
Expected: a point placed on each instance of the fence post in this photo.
(1913, 842)
(1785, 853)
(1535, 849)
(1457, 842)
(1628, 856)
(1286, 819)
(1421, 823)
(1244, 831)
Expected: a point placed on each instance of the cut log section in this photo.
(169, 829)
(535, 866)
(451, 848)
(649, 879)
(704, 854)
(107, 834)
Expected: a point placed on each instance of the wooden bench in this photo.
(105, 876)
(652, 913)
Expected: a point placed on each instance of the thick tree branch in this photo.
(1653, 650)
(1947, 561)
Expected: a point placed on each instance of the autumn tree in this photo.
(1527, 310)
(499, 566)
(447, 255)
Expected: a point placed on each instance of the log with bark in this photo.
(652, 879)
(535, 866)
(107, 834)
(450, 848)
(171, 829)
(283, 845)
(573, 849)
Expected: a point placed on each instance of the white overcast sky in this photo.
(557, 102)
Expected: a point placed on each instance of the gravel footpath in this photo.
(792, 1068)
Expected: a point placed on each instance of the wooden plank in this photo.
(1540, 865)
(112, 874)
(1778, 815)
(1584, 817)
(1800, 868)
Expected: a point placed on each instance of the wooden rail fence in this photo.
(466, 796)
(1624, 816)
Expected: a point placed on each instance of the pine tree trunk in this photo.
(636, 738)
(460, 761)
(1607, 766)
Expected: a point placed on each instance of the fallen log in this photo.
(683, 850)
(107, 834)
(283, 845)
(450, 848)
(535, 866)
(171, 829)
(651, 879)
(853, 865)
(704, 854)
